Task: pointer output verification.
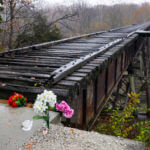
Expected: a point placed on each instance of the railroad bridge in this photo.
(82, 70)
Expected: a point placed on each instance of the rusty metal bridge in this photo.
(82, 70)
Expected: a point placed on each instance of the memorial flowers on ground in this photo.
(48, 101)
(64, 109)
(44, 103)
(17, 100)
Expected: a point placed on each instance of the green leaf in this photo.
(37, 117)
(17, 102)
(45, 118)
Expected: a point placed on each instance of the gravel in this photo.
(64, 138)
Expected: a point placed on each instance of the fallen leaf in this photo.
(30, 145)
(3, 84)
(72, 130)
(3, 101)
(29, 105)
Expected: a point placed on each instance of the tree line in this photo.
(27, 22)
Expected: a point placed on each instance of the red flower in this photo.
(10, 101)
(14, 104)
(20, 96)
(11, 97)
(17, 98)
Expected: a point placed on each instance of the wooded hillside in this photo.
(27, 22)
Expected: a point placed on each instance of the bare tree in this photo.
(14, 17)
(74, 19)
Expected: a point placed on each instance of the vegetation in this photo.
(125, 124)
(102, 17)
(20, 25)
(38, 33)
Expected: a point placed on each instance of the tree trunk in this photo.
(11, 2)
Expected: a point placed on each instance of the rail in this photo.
(63, 71)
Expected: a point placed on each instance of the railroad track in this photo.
(28, 69)
(65, 66)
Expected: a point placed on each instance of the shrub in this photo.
(125, 124)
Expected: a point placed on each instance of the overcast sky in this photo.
(94, 2)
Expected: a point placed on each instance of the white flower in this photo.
(44, 101)
(47, 97)
(39, 106)
(27, 125)
(50, 98)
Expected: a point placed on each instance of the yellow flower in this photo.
(135, 94)
(134, 97)
(136, 100)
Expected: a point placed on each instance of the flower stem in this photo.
(47, 122)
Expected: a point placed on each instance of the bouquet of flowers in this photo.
(48, 101)
(17, 100)
(64, 109)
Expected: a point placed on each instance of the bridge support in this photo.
(145, 65)
(147, 74)
(138, 74)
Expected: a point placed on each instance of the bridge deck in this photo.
(29, 70)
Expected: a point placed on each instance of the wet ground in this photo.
(12, 137)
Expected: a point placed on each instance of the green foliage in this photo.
(144, 128)
(43, 33)
(40, 32)
(124, 124)
(45, 118)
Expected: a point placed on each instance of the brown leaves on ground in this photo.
(29, 145)
(72, 130)
(3, 101)
(29, 105)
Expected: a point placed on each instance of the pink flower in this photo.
(65, 109)
(62, 106)
(68, 113)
